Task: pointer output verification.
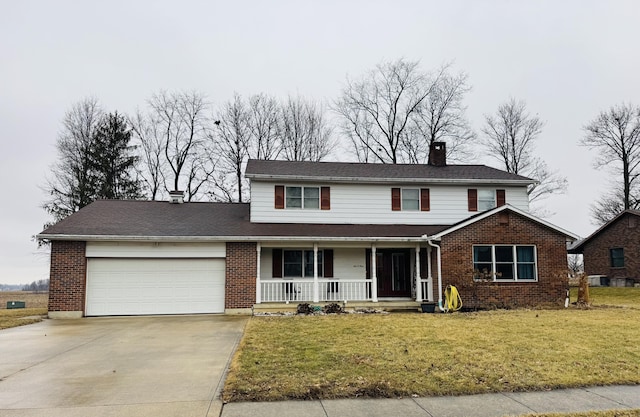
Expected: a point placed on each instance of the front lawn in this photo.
(397, 355)
(20, 317)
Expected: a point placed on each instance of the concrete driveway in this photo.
(125, 366)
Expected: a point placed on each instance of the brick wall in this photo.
(240, 282)
(623, 233)
(68, 276)
(512, 229)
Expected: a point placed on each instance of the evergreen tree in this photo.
(112, 163)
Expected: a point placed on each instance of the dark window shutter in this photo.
(279, 196)
(325, 198)
(395, 199)
(501, 198)
(276, 263)
(424, 266)
(425, 203)
(328, 263)
(472, 195)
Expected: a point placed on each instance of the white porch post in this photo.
(374, 274)
(258, 285)
(418, 277)
(316, 291)
(429, 277)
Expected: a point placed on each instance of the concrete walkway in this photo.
(483, 405)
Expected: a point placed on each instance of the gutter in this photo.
(369, 180)
(226, 238)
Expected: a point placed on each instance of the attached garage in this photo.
(120, 281)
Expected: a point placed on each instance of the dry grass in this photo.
(611, 296)
(434, 354)
(36, 308)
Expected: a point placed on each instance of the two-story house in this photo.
(314, 232)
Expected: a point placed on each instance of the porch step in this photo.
(396, 305)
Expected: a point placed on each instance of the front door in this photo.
(393, 272)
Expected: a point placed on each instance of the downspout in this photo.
(439, 261)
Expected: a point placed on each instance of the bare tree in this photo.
(232, 140)
(441, 118)
(380, 111)
(575, 264)
(615, 134)
(305, 133)
(181, 117)
(510, 137)
(70, 185)
(150, 150)
(264, 116)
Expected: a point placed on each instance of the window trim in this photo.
(423, 199)
(473, 198)
(304, 264)
(280, 197)
(515, 263)
(612, 258)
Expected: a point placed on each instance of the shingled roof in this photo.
(159, 220)
(348, 171)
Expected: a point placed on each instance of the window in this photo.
(410, 199)
(504, 262)
(302, 197)
(297, 197)
(486, 200)
(299, 263)
(617, 257)
(482, 200)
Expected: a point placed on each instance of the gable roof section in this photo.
(488, 213)
(578, 247)
(159, 220)
(384, 173)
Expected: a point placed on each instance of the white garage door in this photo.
(154, 286)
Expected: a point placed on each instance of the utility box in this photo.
(15, 304)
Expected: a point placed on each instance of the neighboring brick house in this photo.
(313, 232)
(614, 250)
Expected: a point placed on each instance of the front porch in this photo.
(351, 275)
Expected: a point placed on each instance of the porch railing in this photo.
(301, 290)
(425, 289)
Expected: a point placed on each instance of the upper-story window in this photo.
(482, 200)
(410, 199)
(302, 197)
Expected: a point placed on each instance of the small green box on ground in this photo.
(15, 304)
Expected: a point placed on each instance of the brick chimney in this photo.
(176, 197)
(438, 154)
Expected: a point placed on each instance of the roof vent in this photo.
(176, 197)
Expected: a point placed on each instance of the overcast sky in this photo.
(568, 60)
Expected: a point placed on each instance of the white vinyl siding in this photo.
(371, 204)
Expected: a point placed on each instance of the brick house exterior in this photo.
(240, 282)
(67, 285)
(619, 236)
(317, 233)
(506, 228)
